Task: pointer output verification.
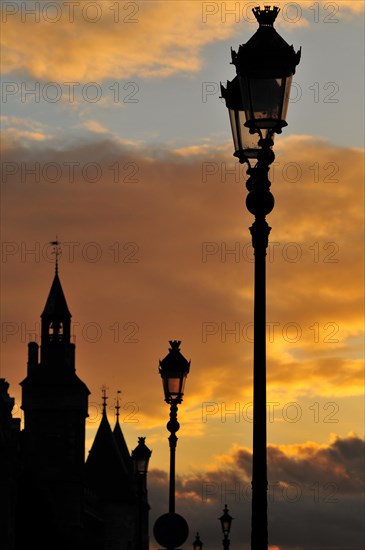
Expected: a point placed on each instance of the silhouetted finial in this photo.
(57, 251)
(104, 397)
(267, 16)
(117, 406)
(175, 344)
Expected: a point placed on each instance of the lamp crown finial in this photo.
(267, 16)
(175, 344)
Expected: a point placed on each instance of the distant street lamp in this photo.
(197, 544)
(140, 459)
(171, 530)
(257, 100)
(226, 521)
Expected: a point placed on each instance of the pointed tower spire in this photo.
(56, 347)
(118, 435)
(56, 304)
(56, 317)
(108, 466)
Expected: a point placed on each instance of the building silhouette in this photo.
(50, 497)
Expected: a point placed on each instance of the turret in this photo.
(55, 405)
(56, 329)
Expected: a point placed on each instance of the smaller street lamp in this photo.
(197, 544)
(140, 458)
(171, 530)
(226, 521)
(173, 369)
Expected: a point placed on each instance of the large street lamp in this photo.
(171, 530)
(257, 100)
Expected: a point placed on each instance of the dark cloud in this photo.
(315, 497)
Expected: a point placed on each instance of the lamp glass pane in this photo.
(235, 127)
(183, 380)
(141, 465)
(174, 386)
(243, 140)
(249, 141)
(262, 100)
(286, 98)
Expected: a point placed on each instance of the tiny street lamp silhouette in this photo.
(257, 101)
(171, 530)
(140, 458)
(197, 544)
(226, 521)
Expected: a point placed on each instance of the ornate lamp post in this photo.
(171, 530)
(257, 100)
(140, 458)
(226, 521)
(197, 544)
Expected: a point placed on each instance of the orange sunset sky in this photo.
(115, 140)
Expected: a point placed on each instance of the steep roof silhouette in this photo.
(122, 445)
(56, 304)
(108, 466)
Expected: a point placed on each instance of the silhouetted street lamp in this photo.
(140, 459)
(257, 100)
(197, 544)
(226, 521)
(171, 530)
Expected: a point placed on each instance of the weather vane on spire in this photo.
(57, 251)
